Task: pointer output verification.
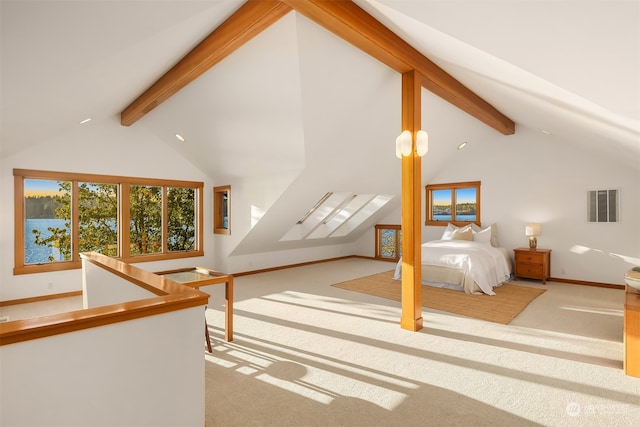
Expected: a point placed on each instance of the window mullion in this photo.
(165, 221)
(19, 222)
(454, 213)
(75, 222)
(125, 248)
(200, 218)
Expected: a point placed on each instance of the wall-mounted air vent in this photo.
(602, 205)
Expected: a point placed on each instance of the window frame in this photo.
(429, 189)
(378, 230)
(218, 205)
(123, 216)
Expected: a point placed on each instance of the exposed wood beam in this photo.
(348, 21)
(248, 21)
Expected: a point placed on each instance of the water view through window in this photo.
(465, 203)
(48, 219)
(47, 223)
(60, 215)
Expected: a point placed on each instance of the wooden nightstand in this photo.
(532, 263)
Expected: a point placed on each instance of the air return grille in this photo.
(602, 205)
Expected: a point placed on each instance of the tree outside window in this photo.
(181, 207)
(59, 215)
(98, 218)
(145, 219)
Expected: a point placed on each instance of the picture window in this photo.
(456, 203)
(60, 215)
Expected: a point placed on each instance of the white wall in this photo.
(122, 374)
(103, 147)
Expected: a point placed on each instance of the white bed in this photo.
(464, 260)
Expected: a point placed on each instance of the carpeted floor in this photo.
(309, 354)
(503, 307)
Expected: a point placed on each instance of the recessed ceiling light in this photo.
(180, 137)
(87, 120)
(462, 145)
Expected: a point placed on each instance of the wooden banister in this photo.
(170, 296)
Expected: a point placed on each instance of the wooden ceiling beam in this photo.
(247, 22)
(350, 22)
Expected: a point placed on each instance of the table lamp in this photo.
(532, 230)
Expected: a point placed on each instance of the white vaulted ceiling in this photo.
(568, 66)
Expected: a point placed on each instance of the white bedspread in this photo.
(487, 265)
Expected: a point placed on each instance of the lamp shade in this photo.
(532, 229)
(398, 149)
(404, 144)
(422, 143)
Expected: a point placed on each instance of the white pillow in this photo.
(398, 273)
(482, 236)
(448, 232)
(494, 235)
(451, 229)
(464, 233)
(494, 232)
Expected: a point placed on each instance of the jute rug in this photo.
(503, 307)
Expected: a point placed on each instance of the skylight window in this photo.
(335, 215)
(314, 208)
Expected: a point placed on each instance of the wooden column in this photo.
(411, 207)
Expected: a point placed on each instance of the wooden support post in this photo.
(411, 207)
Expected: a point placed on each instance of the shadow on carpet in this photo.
(502, 308)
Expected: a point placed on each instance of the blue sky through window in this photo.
(466, 195)
(41, 187)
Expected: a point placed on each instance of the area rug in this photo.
(502, 308)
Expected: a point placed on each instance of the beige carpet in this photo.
(306, 354)
(502, 308)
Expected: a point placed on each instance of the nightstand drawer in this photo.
(530, 257)
(530, 270)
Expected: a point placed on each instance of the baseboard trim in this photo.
(301, 264)
(585, 283)
(39, 298)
